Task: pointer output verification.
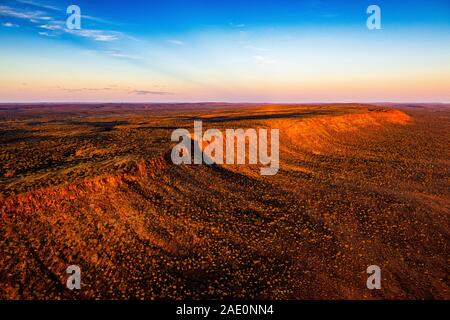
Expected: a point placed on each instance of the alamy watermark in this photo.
(74, 279)
(213, 147)
(374, 279)
(73, 21)
(374, 20)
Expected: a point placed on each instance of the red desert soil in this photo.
(93, 185)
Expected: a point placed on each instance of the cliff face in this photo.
(328, 133)
(353, 190)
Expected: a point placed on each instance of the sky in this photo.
(232, 51)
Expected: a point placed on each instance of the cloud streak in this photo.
(97, 35)
(176, 42)
(56, 27)
(39, 5)
(150, 92)
(10, 25)
(116, 88)
(22, 14)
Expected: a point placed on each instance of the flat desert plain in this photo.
(93, 185)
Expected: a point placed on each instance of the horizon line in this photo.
(224, 102)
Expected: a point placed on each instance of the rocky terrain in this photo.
(94, 186)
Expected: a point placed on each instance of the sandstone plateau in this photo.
(94, 186)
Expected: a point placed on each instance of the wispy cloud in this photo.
(101, 20)
(56, 27)
(35, 12)
(51, 27)
(50, 7)
(116, 88)
(84, 89)
(97, 35)
(150, 92)
(39, 5)
(264, 60)
(46, 34)
(176, 42)
(117, 54)
(121, 55)
(10, 25)
(21, 14)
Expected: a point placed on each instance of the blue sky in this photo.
(262, 51)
